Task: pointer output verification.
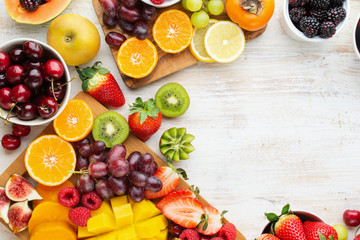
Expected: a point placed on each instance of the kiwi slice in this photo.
(111, 128)
(172, 99)
(175, 144)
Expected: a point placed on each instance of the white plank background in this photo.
(279, 125)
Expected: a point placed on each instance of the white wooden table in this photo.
(279, 125)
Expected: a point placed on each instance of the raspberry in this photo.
(227, 232)
(204, 237)
(217, 238)
(157, 1)
(189, 234)
(91, 200)
(79, 216)
(68, 197)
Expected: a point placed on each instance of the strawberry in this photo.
(144, 119)
(169, 176)
(212, 221)
(267, 237)
(287, 226)
(100, 83)
(180, 193)
(228, 232)
(187, 212)
(357, 237)
(319, 231)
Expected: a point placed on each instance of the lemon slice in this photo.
(197, 47)
(224, 41)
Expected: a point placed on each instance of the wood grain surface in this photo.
(279, 125)
(132, 144)
(168, 63)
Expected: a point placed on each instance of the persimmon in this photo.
(251, 15)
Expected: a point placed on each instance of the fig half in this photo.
(19, 216)
(4, 205)
(19, 189)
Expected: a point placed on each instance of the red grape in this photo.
(85, 150)
(137, 178)
(129, 14)
(95, 157)
(87, 183)
(136, 193)
(108, 21)
(99, 146)
(126, 26)
(115, 39)
(78, 144)
(118, 185)
(133, 160)
(148, 12)
(103, 189)
(119, 168)
(141, 29)
(109, 7)
(153, 184)
(116, 152)
(81, 162)
(98, 169)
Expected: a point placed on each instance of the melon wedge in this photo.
(43, 14)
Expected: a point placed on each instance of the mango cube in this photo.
(123, 215)
(163, 235)
(104, 208)
(118, 201)
(127, 233)
(101, 223)
(144, 210)
(108, 236)
(84, 233)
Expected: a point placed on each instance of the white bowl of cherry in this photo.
(34, 82)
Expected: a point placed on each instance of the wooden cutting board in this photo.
(168, 63)
(132, 144)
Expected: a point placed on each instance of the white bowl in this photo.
(166, 3)
(296, 34)
(357, 51)
(6, 47)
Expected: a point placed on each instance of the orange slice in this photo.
(137, 58)
(49, 193)
(173, 31)
(75, 121)
(48, 160)
(53, 231)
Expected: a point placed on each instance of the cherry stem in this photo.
(65, 83)
(8, 115)
(52, 89)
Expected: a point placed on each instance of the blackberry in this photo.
(327, 29)
(336, 3)
(298, 3)
(336, 15)
(309, 26)
(30, 5)
(296, 14)
(320, 4)
(320, 15)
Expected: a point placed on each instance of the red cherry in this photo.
(351, 218)
(53, 69)
(5, 98)
(10, 142)
(26, 111)
(14, 74)
(48, 107)
(4, 61)
(32, 50)
(20, 130)
(20, 93)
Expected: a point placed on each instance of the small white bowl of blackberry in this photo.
(314, 20)
(356, 39)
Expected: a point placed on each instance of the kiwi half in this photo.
(111, 128)
(172, 99)
(175, 144)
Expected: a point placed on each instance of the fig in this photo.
(19, 216)
(4, 205)
(19, 189)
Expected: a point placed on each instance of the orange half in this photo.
(137, 58)
(173, 31)
(75, 121)
(48, 160)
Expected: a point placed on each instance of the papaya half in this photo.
(43, 14)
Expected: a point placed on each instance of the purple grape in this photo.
(129, 14)
(137, 178)
(126, 26)
(97, 157)
(153, 184)
(118, 185)
(109, 7)
(85, 150)
(116, 152)
(99, 146)
(81, 162)
(154, 168)
(136, 193)
(133, 160)
(87, 183)
(130, 3)
(81, 142)
(102, 187)
(146, 158)
(141, 29)
(119, 168)
(115, 39)
(148, 12)
(98, 169)
(109, 22)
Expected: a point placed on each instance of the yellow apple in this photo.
(75, 38)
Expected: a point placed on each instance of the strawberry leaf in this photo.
(182, 173)
(85, 85)
(321, 236)
(146, 109)
(195, 190)
(224, 212)
(88, 72)
(331, 237)
(272, 217)
(143, 116)
(285, 209)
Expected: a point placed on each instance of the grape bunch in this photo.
(110, 173)
(200, 8)
(131, 15)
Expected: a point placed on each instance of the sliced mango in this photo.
(163, 235)
(84, 233)
(104, 208)
(101, 223)
(127, 233)
(118, 201)
(123, 215)
(144, 210)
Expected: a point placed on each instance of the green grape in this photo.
(194, 5)
(200, 19)
(216, 7)
(184, 4)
